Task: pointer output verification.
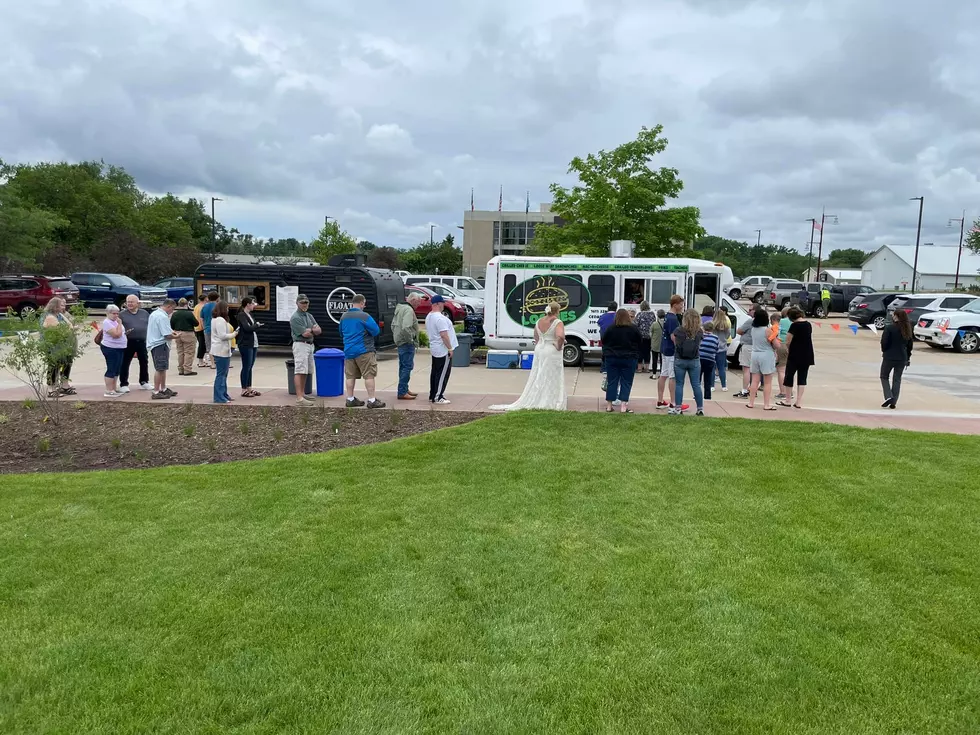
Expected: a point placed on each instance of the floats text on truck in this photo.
(519, 289)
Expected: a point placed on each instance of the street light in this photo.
(918, 234)
(431, 228)
(758, 241)
(809, 255)
(959, 254)
(327, 218)
(823, 220)
(213, 200)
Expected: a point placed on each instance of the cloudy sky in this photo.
(385, 113)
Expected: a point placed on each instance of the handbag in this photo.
(98, 337)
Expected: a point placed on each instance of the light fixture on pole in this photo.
(959, 253)
(809, 254)
(327, 218)
(823, 221)
(918, 234)
(213, 200)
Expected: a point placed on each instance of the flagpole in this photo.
(527, 210)
(823, 219)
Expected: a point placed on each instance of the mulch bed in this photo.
(104, 436)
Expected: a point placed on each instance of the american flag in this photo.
(472, 206)
(817, 225)
(527, 203)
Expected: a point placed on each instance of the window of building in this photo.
(603, 289)
(515, 234)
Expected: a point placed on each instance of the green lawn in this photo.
(522, 574)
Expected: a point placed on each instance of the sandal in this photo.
(608, 410)
(784, 404)
(771, 408)
(68, 391)
(797, 405)
(628, 410)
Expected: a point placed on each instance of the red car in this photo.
(28, 294)
(453, 309)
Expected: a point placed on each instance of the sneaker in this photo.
(663, 404)
(122, 389)
(190, 373)
(675, 412)
(699, 413)
(171, 393)
(742, 394)
(162, 396)
(684, 406)
(780, 396)
(112, 394)
(354, 403)
(724, 389)
(887, 404)
(617, 402)
(146, 386)
(303, 403)
(442, 402)
(376, 403)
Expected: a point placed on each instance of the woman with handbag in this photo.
(112, 339)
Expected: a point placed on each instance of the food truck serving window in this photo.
(234, 291)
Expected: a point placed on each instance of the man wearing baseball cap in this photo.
(442, 342)
(304, 328)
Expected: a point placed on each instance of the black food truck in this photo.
(330, 289)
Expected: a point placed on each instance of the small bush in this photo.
(335, 427)
(29, 404)
(79, 405)
(277, 435)
(4, 418)
(397, 417)
(211, 443)
(116, 443)
(266, 412)
(43, 445)
(243, 427)
(189, 430)
(188, 407)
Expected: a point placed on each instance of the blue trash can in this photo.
(329, 372)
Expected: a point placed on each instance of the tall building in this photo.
(490, 233)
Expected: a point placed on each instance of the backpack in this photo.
(689, 348)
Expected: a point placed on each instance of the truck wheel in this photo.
(758, 298)
(27, 311)
(879, 322)
(968, 344)
(784, 304)
(819, 313)
(571, 354)
(735, 294)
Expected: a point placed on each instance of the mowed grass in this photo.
(522, 574)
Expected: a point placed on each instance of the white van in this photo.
(464, 284)
(519, 290)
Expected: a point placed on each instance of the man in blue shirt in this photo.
(359, 329)
(672, 323)
(606, 321)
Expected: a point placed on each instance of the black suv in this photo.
(872, 308)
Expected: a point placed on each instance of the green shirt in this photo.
(183, 320)
(299, 322)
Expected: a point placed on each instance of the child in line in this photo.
(709, 356)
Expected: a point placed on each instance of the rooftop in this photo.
(935, 260)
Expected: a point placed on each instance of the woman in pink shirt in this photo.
(113, 347)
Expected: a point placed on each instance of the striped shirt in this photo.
(709, 346)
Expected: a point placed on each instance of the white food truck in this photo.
(519, 289)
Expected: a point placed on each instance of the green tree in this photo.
(385, 257)
(846, 258)
(620, 197)
(439, 257)
(972, 239)
(332, 241)
(162, 223)
(25, 232)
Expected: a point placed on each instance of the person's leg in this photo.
(626, 382)
(680, 372)
(142, 356)
(243, 372)
(405, 355)
(199, 336)
(801, 378)
(221, 365)
(128, 353)
(435, 371)
(899, 370)
(190, 341)
(767, 390)
(707, 377)
(883, 375)
(780, 377)
(754, 382)
(447, 371)
(695, 373)
(788, 377)
(613, 379)
(721, 367)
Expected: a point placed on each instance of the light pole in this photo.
(327, 218)
(431, 228)
(758, 240)
(823, 220)
(918, 234)
(213, 200)
(809, 255)
(959, 254)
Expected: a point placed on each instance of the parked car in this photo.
(464, 284)
(872, 308)
(738, 316)
(473, 304)
(840, 297)
(917, 305)
(28, 294)
(958, 329)
(178, 288)
(454, 310)
(98, 289)
(748, 287)
(779, 292)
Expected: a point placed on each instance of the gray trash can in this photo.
(461, 356)
(290, 372)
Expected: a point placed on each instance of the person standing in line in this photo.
(358, 328)
(159, 333)
(765, 342)
(621, 345)
(825, 297)
(722, 330)
(113, 345)
(442, 342)
(783, 320)
(667, 380)
(656, 343)
(745, 352)
(58, 334)
(405, 330)
(221, 337)
(603, 323)
(644, 322)
(207, 315)
(803, 297)
(708, 354)
(304, 329)
(799, 341)
(184, 323)
(687, 362)
(896, 356)
(135, 320)
(202, 348)
(248, 345)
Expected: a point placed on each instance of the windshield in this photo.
(973, 306)
(123, 281)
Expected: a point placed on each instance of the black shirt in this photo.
(801, 346)
(894, 346)
(621, 341)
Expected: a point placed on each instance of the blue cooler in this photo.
(527, 360)
(329, 372)
(503, 359)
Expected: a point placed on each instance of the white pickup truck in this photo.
(957, 329)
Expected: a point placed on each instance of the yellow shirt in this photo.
(197, 313)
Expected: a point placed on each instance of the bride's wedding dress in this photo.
(545, 387)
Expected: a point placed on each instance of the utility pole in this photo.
(918, 234)
(431, 228)
(809, 255)
(213, 200)
(823, 220)
(758, 240)
(959, 254)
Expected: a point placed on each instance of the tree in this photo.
(332, 241)
(385, 257)
(972, 240)
(620, 197)
(745, 260)
(25, 232)
(846, 258)
(438, 257)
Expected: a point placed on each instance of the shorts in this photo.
(800, 372)
(362, 366)
(763, 363)
(667, 366)
(161, 358)
(745, 356)
(781, 355)
(302, 358)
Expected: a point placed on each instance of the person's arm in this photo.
(908, 351)
(315, 329)
(117, 331)
(372, 326)
(560, 336)
(886, 339)
(246, 325)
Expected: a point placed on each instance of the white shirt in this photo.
(436, 323)
(220, 338)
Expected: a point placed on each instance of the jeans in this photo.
(897, 367)
(707, 376)
(721, 365)
(406, 364)
(221, 364)
(248, 362)
(113, 360)
(135, 348)
(691, 369)
(619, 377)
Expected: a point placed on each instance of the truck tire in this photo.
(968, 344)
(818, 312)
(758, 298)
(571, 353)
(735, 294)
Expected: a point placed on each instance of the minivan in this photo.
(464, 284)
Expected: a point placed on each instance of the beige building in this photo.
(490, 233)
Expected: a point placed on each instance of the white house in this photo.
(833, 275)
(890, 268)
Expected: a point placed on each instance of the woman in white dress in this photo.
(545, 387)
